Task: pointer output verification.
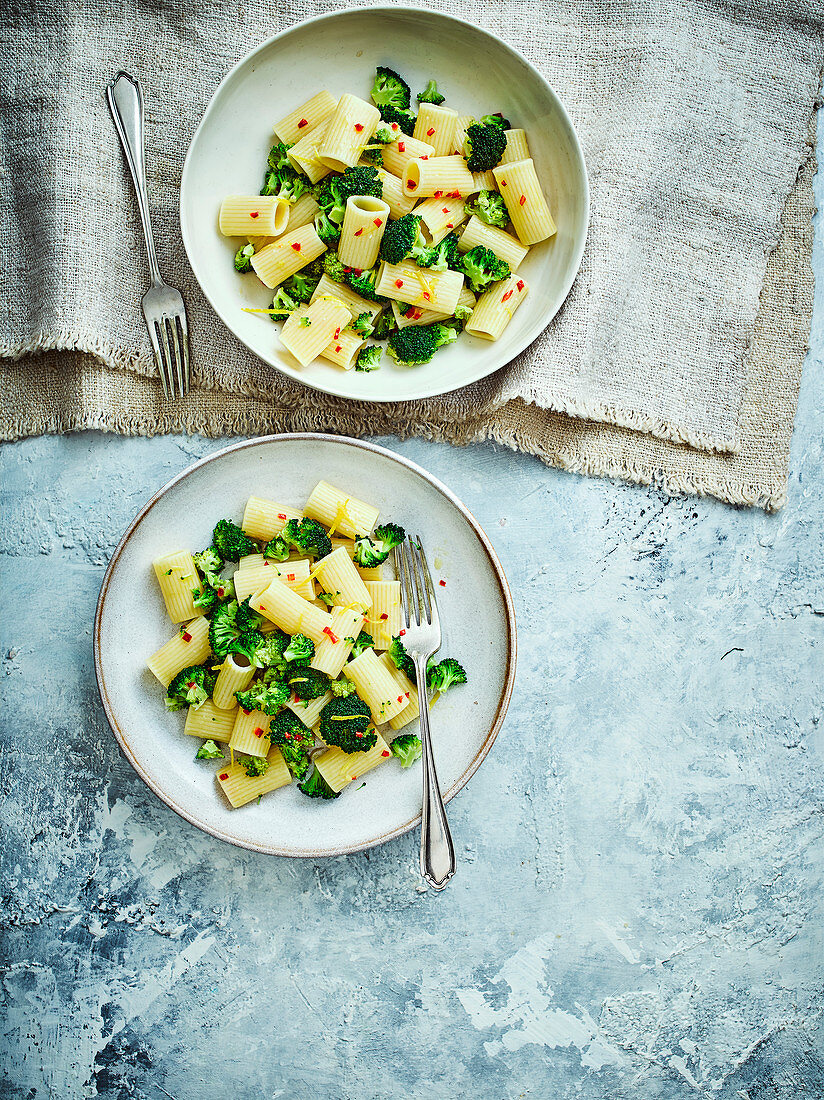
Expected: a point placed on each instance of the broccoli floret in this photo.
(362, 642)
(362, 324)
(243, 258)
(369, 358)
(374, 550)
(384, 134)
(404, 119)
(401, 659)
(255, 766)
(403, 238)
(205, 598)
(209, 751)
(190, 688)
(247, 618)
(484, 146)
(233, 629)
(442, 676)
(430, 94)
(267, 650)
(442, 255)
(332, 193)
(300, 648)
(328, 232)
(416, 344)
(327, 598)
(333, 267)
(308, 536)
(286, 183)
(496, 120)
(385, 325)
(364, 283)
(295, 741)
(482, 267)
(373, 156)
(307, 683)
(345, 721)
(278, 157)
(268, 698)
(462, 315)
(342, 687)
(490, 207)
(390, 89)
(276, 550)
(317, 787)
(283, 304)
(230, 541)
(408, 748)
(249, 643)
(302, 285)
(214, 588)
(209, 562)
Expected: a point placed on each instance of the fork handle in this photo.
(125, 98)
(437, 850)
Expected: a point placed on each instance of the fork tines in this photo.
(417, 592)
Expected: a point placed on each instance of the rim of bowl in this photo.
(503, 702)
(384, 10)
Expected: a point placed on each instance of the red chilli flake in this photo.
(258, 732)
(401, 146)
(400, 698)
(442, 584)
(303, 122)
(245, 711)
(296, 246)
(503, 183)
(507, 296)
(359, 126)
(187, 637)
(254, 214)
(358, 734)
(430, 131)
(424, 157)
(290, 576)
(520, 284)
(437, 194)
(224, 775)
(221, 592)
(401, 633)
(399, 282)
(444, 209)
(386, 752)
(384, 616)
(410, 184)
(406, 693)
(333, 638)
(449, 225)
(427, 295)
(338, 347)
(358, 232)
(378, 222)
(190, 683)
(522, 200)
(337, 333)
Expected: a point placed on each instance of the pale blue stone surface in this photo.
(638, 910)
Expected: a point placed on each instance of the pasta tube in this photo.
(291, 612)
(251, 561)
(449, 175)
(375, 686)
(343, 349)
(398, 201)
(263, 519)
(235, 674)
(349, 129)
(373, 573)
(338, 577)
(329, 288)
(179, 582)
(241, 788)
(294, 574)
(462, 124)
(302, 212)
(308, 710)
(415, 315)
(308, 330)
(249, 732)
(303, 156)
(528, 211)
(253, 215)
(364, 224)
(495, 308)
(333, 652)
(436, 125)
(339, 768)
(287, 255)
(347, 544)
(503, 244)
(385, 616)
(306, 118)
(407, 689)
(517, 147)
(397, 154)
(483, 181)
(209, 722)
(440, 215)
(340, 512)
(190, 646)
(406, 282)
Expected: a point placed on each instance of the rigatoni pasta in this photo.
(179, 585)
(447, 175)
(311, 329)
(406, 282)
(496, 307)
(436, 126)
(503, 244)
(263, 519)
(364, 224)
(253, 215)
(517, 147)
(340, 512)
(287, 255)
(528, 210)
(347, 132)
(305, 118)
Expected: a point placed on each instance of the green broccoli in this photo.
(390, 89)
(214, 588)
(442, 676)
(255, 766)
(332, 193)
(373, 155)
(326, 229)
(496, 120)
(230, 541)
(362, 642)
(369, 358)
(345, 721)
(249, 643)
(268, 698)
(416, 344)
(462, 315)
(247, 618)
(278, 156)
(190, 688)
(401, 659)
(205, 598)
(276, 550)
(243, 258)
(484, 146)
(490, 207)
(209, 751)
(385, 325)
(373, 550)
(364, 283)
(430, 94)
(269, 653)
(233, 629)
(403, 238)
(333, 267)
(303, 284)
(300, 648)
(362, 324)
(385, 134)
(327, 598)
(210, 563)
(442, 255)
(482, 268)
(295, 741)
(308, 536)
(286, 183)
(317, 787)
(404, 119)
(342, 687)
(408, 748)
(283, 304)
(307, 683)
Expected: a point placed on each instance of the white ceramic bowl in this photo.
(476, 617)
(339, 52)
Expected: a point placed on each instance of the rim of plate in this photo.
(540, 324)
(511, 660)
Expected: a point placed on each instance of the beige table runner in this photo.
(695, 120)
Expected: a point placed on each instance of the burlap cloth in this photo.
(688, 323)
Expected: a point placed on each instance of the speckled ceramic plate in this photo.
(131, 623)
(339, 51)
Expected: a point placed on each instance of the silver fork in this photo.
(422, 639)
(163, 306)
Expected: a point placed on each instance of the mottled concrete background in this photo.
(638, 910)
